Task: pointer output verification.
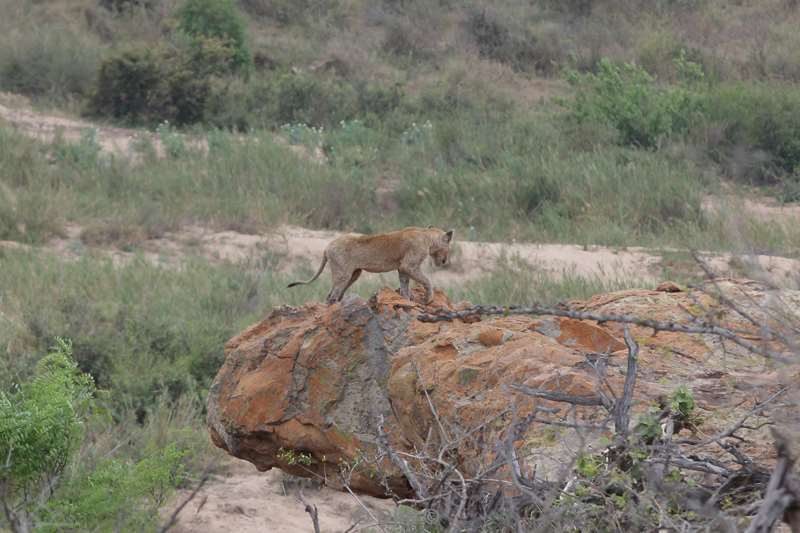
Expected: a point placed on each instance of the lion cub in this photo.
(402, 250)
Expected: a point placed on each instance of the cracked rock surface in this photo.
(314, 382)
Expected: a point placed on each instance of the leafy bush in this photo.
(682, 401)
(40, 428)
(301, 98)
(220, 20)
(117, 494)
(150, 85)
(125, 84)
(627, 98)
(754, 130)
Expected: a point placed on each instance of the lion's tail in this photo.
(321, 268)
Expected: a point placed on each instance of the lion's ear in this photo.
(448, 236)
(430, 226)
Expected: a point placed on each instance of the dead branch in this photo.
(311, 510)
(623, 405)
(591, 401)
(779, 495)
(173, 519)
(402, 464)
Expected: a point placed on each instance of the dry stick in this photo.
(311, 510)
(203, 479)
(447, 465)
(591, 401)
(383, 440)
(777, 498)
(563, 311)
(622, 407)
(430, 404)
(366, 509)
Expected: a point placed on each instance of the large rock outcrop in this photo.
(315, 381)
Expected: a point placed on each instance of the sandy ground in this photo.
(244, 500)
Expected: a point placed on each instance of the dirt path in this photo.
(247, 501)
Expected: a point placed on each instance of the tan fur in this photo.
(402, 250)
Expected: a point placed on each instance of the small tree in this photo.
(218, 19)
(41, 424)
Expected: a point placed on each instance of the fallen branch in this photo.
(590, 401)
(173, 519)
(623, 405)
(778, 497)
(311, 510)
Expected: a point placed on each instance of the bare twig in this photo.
(173, 519)
(311, 510)
(592, 401)
(623, 405)
(777, 497)
(402, 464)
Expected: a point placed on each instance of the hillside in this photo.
(168, 166)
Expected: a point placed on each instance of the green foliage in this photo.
(41, 425)
(682, 401)
(628, 99)
(219, 20)
(294, 458)
(152, 84)
(648, 426)
(754, 130)
(41, 421)
(587, 465)
(117, 493)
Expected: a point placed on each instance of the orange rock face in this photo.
(305, 389)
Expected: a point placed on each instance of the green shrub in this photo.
(220, 20)
(754, 130)
(628, 99)
(682, 401)
(40, 429)
(117, 494)
(126, 83)
(301, 98)
(152, 84)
